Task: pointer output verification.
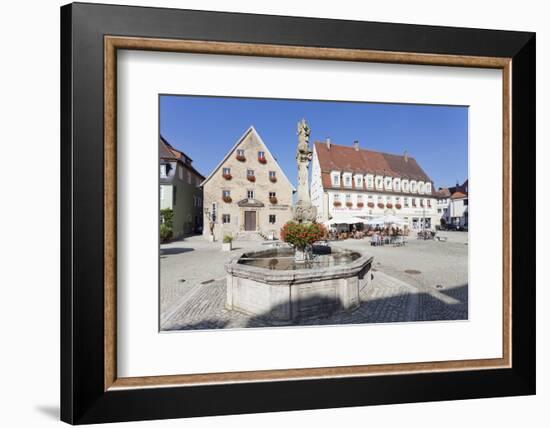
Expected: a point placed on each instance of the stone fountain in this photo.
(286, 284)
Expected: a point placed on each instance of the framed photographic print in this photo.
(266, 213)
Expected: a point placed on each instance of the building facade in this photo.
(247, 193)
(453, 203)
(442, 201)
(348, 181)
(180, 190)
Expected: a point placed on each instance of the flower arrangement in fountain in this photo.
(302, 235)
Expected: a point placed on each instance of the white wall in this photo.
(30, 273)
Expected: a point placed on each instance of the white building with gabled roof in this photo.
(247, 195)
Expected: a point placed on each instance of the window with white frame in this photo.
(397, 184)
(335, 179)
(406, 202)
(359, 181)
(214, 213)
(379, 182)
(412, 186)
(405, 185)
(428, 188)
(226, 193)
(387, 183)
(226, 218)
(347, 180)
(250, 194)
(226, 171)
(240, 152)
(272, 218)
(370, 181)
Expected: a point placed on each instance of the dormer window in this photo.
(421, 187)
(387, 183)
(428, 188)
(359, 181)
(413, 186)
(397, 184)
(335, 179)
(405, 185)
(370, 181)
(347, 180)
(379, 182)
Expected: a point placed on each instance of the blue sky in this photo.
(205, 128)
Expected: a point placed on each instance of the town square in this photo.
(335, 233)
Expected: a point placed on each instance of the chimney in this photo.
(328, 143)
(406, 156)
(356, 145)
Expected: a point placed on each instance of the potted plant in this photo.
(273, 200)
(227, 199)
(262, 159)
(360, 205)
(227, 176)
(227, 243)
(349, 204)
(251, 178)
(273, 179)
(241, 158)
(389, 205)
(302, 236)
(380, 205)
(370, 204)
(398, 206)
(337, 203)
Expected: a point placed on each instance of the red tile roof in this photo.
(167, 152)
(347, 159)
(458, 195)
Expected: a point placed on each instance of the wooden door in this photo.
(249, 220)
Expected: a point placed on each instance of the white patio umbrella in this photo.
(377, 221)
(391, 219)
(344, 220)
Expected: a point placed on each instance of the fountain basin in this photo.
(271, 285)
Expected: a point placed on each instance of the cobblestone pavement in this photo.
(425, 280)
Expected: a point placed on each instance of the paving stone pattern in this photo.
(438, 293)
